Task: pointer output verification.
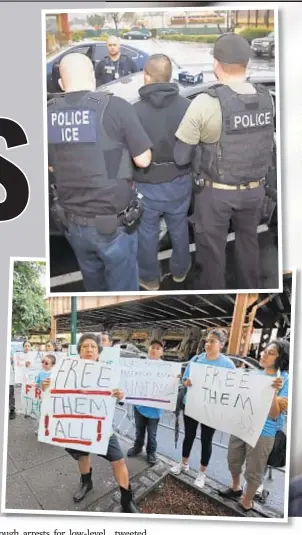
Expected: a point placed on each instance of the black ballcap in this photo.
(232, 49)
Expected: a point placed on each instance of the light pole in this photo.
(73, 321)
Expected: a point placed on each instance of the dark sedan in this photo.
(137, 34)
(96, 51)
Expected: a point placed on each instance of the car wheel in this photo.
(145, 37)
(273, 51)
(129, 37)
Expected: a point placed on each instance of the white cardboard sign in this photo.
(77, 410)
(230, 400)
(152, 383)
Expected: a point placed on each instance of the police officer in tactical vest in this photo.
(115, 65)
(228, 131)
(166, 188)
(93, 138)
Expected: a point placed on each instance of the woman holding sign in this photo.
(215, 342)
(89, 348)
(274, 361)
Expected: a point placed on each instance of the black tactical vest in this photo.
(244, 151)
(79, 142)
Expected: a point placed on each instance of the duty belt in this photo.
(220, 185)
(79, 220)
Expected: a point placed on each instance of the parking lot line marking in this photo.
(76, 276)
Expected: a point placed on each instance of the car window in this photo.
(87, 50)
(129, 52)
(271, 34)
(100, 52)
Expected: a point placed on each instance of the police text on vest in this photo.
(252, 120)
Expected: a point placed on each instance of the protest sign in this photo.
(77, 410)
(231, 400)
(30, 394)
(152, 383)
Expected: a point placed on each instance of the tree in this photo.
(127, 16)
(97, 21)
(29, 310)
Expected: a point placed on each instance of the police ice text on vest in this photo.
(70, 123)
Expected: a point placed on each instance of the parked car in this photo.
(96, 51)
(137, 34)
(127, 88)
(264, 45)
(130, 350)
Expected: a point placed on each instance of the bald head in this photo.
(76, 73)
(157, 69)
(114, 46)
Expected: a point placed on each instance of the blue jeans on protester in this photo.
(172, 201)
(141, 424)
(108, 262)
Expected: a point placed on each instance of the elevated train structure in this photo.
(181, 321)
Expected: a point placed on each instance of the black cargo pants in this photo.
(213, 211)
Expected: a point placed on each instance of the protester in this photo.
(147, 417)
(50, 346)
(215, 343)
(12, 402)
(275, 357)
(106, 339)
(89, 348)
(26, 350)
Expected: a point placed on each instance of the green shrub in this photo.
(122, 32)
(77, 36)
(254, 33)
(190, 38)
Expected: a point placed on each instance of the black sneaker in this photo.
(151, 459)
(12, 415)
(230, 493)
(133, 452)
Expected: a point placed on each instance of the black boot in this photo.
(133, 452)
(12, 415)
(85, 486)
(126, 501)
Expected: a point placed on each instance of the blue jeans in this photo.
(141, 424)
(108, 262)
(175, 213)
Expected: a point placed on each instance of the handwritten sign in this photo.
(77, 410)
(152, 383)
(30, 394)
(233, 401)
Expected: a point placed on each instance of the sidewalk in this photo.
(43, 477)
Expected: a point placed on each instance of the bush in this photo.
(190, 38)
(122, 32)
(77, 36)
(254, 33)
